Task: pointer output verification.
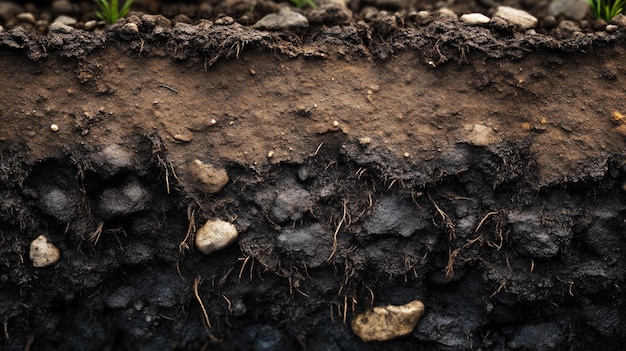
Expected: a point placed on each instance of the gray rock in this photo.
(395, 215)
(475, 19)
(58, 203)
(538, 337)
(312, 242)
(518, 18)
(285, 19)
(113, 159)
(127, 199)
(290, 204)
(532, 237)
(574, 9)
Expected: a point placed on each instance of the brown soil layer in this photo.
(478, 170)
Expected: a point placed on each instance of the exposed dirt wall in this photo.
(490, 187)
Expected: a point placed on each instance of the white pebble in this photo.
(270, 154)
(407, 155)
(54, 128)
(43, 253)
(215, 235)
(213, 121)
(336, 123)
(475, 18)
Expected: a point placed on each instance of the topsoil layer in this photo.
(479, 169)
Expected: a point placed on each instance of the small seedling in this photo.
(110, 12)
(304, 3)
(606, 9)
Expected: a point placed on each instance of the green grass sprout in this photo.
(606, 9)
(110, 12)
(304, 3)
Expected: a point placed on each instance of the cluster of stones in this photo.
(329, 12)
(131, 197)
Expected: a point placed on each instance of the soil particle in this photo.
(533, 239)
(309, 243)
(215, 235)
(540, 337)
(290, 204)
(43, 253)
(395, 215)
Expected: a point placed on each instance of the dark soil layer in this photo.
(480, 170)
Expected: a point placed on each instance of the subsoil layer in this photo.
(480, 170)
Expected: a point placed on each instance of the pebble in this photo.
(43, 253)
(215, 235)
(389, 322)
(611, 28)
(475, 19)
(60, 28)
(519, 18)
(285, 19)
(365, 140)
(89, 25)
(212, 179)
(54, 127)
(184, 137)
(66, 20)
(1, 29)
(27, 17)
(224, 21)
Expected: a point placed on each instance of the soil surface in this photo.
(378, 156)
